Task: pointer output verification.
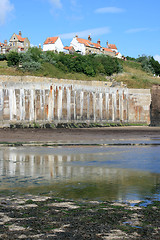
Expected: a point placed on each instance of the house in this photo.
(19, 44)
(68, 50)
(112, 47)
(85, 46)
(115, 50)
(108, 52)
(119, 55)
(53, 44)
(4, 48)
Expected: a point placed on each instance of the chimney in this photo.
(89, 38)
(107, 42)
(20, 34)
(5, 42)
(99, 42)
(40, 46)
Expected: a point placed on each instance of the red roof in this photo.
(97, 45)
(68, 48)
(112, 46)
(88, 43)
(20, 38)
(51, 40)
(107, 50)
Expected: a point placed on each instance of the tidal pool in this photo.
(83, 172)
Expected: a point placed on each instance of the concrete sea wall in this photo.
(155, 106)
(40, 100)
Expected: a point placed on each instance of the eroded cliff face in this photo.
(53, 100)
(155, 106)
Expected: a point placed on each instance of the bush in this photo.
(31, 60)
(13, 59)
(31, 66)
(49, 57)
(3, 57)
(89, 64)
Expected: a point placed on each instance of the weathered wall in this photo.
(155, 106)
(56, 101)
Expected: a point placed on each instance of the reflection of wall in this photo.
(60, 167)
(65, 101)
(49, 166)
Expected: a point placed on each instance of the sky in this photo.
(133, 25)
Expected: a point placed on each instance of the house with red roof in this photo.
(112, 47)
(53, 44)
(69, 50)
(108, 52)
(18, 43)
(84, 46)
(4, 48)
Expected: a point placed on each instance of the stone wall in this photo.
(155, 106)
(33, 99)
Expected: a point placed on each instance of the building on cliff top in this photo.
(84, 47)
(19, 44)
(53, 44)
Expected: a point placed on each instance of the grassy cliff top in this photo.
(133, 76)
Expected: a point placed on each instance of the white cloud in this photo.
(85, 33)
(136, 30)
(157, 58)
(56, 3)
(5, 8)
(109, 10)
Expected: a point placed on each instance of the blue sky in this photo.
(133, 25)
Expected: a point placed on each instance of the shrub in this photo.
(31, 66)
(49, 57)
(3, 57)
(13, 59)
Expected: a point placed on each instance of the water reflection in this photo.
(83, 172)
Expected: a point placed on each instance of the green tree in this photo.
(155, 65)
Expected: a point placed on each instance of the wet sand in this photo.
(76, 135)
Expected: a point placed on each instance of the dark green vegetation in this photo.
(91, 65)
(148, 63)
(55, 218)
(135, 73)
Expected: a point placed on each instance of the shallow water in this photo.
(85, 172)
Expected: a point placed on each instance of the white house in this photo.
(53, 44)
(119, 55)
(84, 46)
(78, 45)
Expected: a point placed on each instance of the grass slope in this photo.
(133, 75)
